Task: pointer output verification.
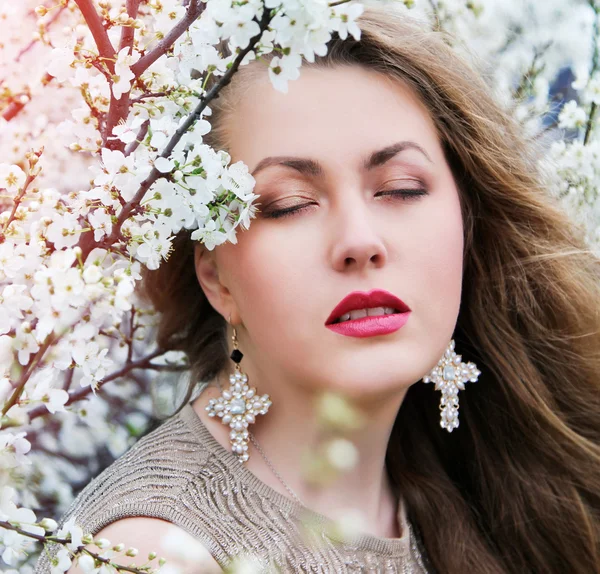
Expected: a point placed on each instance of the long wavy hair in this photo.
(516, 488)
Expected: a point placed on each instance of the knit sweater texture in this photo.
(180, 473)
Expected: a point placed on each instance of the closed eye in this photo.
(403, 194)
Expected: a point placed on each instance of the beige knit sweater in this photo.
(180, 473)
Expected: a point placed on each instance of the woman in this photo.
(387, 170)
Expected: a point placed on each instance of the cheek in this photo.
(269, 273)
(440, 262)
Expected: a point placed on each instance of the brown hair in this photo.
(516, 488)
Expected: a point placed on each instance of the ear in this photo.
(218, 295)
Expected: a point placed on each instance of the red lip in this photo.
(362, 300)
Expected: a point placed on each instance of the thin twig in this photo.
(15, 107)
(143, 363)
(17, 201)
(68, 380)
(44, 539)
(131, 333)
(436, 14)
(27, 370)
(168, 368)
(595, 59)
(146, 96)
(339, 3)
(139, 138)
(47, 27)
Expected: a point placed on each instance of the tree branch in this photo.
(119, 108)
(139, 138)
(27, 370)
(44, 539)
(130, 206)
(595, 60)
(143, 363)
(17, 201)
(194, 10)
(127, 32)
(148, 95)
(15, 107)
(46, 27)
(94, 22)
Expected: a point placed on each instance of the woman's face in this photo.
(336, 129)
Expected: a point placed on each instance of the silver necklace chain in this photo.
(270, 465)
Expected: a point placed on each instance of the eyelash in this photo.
(405, 194)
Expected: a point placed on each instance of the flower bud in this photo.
(86, 563)
(131, 552)
(119, 547)
(48, 524)
(87, 539)
(152, 556)
(41, 11)
(102, 543)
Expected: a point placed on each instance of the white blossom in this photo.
(61, 562)
(12, 177)
(73, 531)
(13, 448)
(123, 74)
(43, 384)
(344, 22)
(572, 116)
(60, 62)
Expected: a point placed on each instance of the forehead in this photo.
(337, 115)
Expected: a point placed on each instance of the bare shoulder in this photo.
(181, 550)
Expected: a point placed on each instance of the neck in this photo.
(290, 428)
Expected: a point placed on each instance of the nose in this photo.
(357, 238)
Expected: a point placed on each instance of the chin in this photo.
(371, 384)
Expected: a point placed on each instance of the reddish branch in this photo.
(138, 138)
(13, 109)
(127, 32)
(132, 205)
(143, 97)
(47, 26)
(15, 106)
(27, 370)
(143, 363)
(94, 22)
(119, 108)
(17, 201)
(194, 10)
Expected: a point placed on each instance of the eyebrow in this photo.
(311, 167)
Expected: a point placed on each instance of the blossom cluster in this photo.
(104, 106)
